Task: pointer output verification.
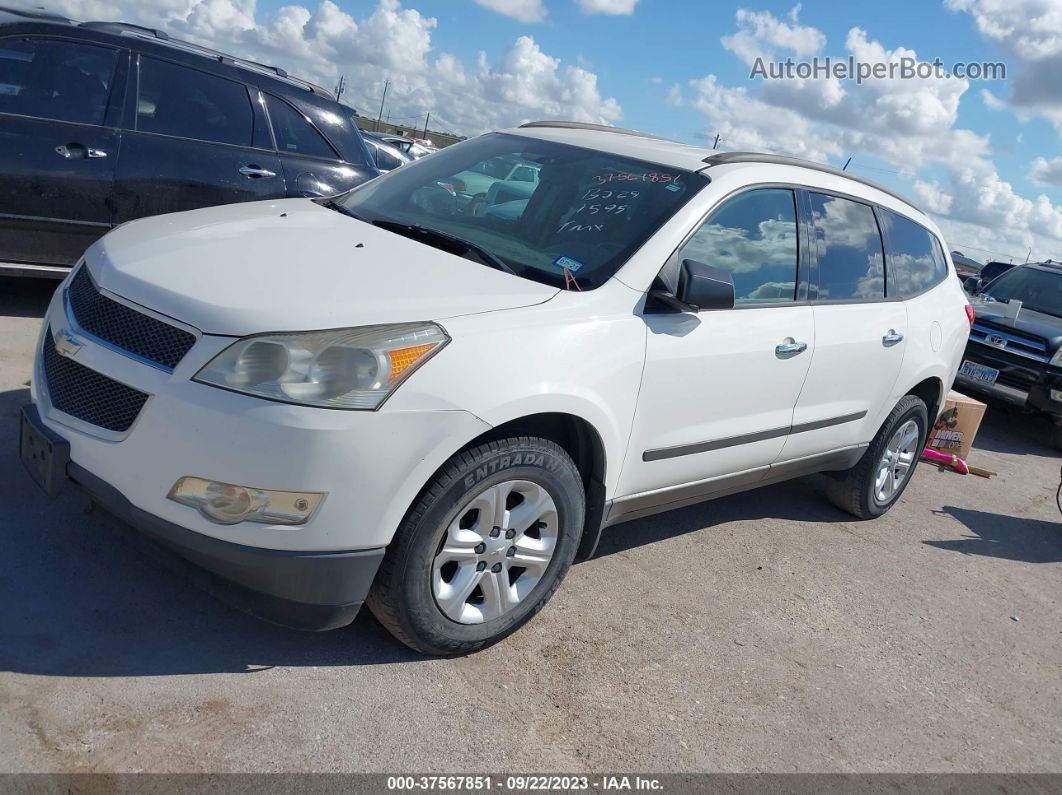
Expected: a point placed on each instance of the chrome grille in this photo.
(87, 395)
(124, 327)
(1021, 344)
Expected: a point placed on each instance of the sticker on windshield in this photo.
(568, 263)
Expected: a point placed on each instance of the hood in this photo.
(1037, 324)
(293, 265)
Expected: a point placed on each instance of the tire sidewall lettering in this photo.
(495, 465)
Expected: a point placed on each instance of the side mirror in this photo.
(704, 287)
(972, 285)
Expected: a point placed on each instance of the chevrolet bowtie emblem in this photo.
(66, 343)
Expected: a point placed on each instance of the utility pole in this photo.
(716, 144)
(383, 99)
(341, 86)
(426, 118)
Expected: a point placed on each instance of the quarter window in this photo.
(915, 259)
(754, 236)
(848, 250)
(50, 79)
(186, 103)
(294, 132)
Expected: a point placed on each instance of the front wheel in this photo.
(483, 549)
(875, 483)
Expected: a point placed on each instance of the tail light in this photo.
(970, 314)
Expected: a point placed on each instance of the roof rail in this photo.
(161, 37)
(125, 27)
(724, 158)
(580, 125)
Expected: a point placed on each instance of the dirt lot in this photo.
(764, 631)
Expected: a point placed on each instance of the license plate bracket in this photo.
(981, 373)
(43, 452)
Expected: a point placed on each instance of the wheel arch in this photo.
(931, 391)
(583, 442)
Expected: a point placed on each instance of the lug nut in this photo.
(496, 568)
(480, 566)
(480, 548)
(510, 552)
(494, 532)
(510, 533)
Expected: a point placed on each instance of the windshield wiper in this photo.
(332, 204)
(435, 237)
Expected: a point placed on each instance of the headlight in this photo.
(354, 368)
(1056, 360)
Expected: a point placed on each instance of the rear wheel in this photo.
(483, 549)
(875, 483)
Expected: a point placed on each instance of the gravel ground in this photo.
(760, 632)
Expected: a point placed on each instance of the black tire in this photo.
(401, 597)
(853, 490)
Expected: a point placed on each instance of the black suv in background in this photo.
(992, 270)
(104, 122)
(1019, 360)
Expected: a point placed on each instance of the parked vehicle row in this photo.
(102, 123)
(439, 409)
(1015, 355)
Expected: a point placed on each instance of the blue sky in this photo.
(681, 69)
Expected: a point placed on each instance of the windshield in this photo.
(1040, 291)
(554, 213)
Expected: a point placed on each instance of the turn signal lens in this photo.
(404, 358)
(970, 313)
(227, 503)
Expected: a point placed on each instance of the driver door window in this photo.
(754, 236)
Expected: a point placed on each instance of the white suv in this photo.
(391, 397)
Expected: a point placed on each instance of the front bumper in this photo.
(1021, 382)
(304, 590)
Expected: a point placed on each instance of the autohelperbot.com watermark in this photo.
(850, 68)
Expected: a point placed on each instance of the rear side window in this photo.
(186, 103)
(294, 132)
(848, 251)
(49, 79)
(754, 236)
(384, 159)
(915, 259)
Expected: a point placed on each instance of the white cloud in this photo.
(607, 6)
(1046, 172)
(393, 42)
(1030, 33)
(933, 197)
(910, 124)
(760, 33)
(523, 10)
(992, 102)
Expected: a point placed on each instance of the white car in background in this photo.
(382, 398)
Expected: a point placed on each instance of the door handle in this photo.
(891, 338)
(790, 348)
(255, 172)
(75, 151)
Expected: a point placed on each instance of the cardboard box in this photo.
(957, 425)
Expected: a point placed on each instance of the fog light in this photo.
(1056, 394)
(226, 503)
